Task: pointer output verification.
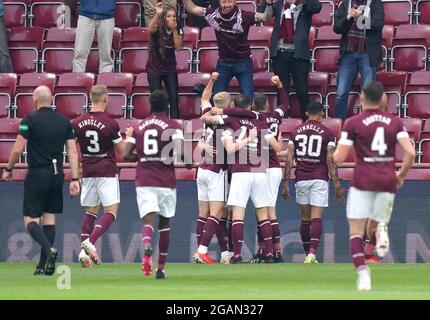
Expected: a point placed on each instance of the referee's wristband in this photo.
(75, 179)
(8, 170)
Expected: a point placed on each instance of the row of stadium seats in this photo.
(129, 13)
(193, 130)
(34, 49)
(408, 94)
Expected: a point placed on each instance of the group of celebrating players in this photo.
(241, 144)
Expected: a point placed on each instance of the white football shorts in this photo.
(212, 186)
(373, 205)
(248, 184)
(274, 178)
(313, 192)
(155, 199)
(103, 189)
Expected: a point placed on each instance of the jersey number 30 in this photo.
(311, 147)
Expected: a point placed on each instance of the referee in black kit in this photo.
(44, 132)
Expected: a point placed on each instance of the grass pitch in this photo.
(201, 282)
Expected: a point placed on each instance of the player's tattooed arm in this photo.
(334, 176)
(208, 118)
(287, 171)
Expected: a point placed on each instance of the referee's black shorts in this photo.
(43, 192)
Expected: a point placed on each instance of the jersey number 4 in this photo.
(378, 141)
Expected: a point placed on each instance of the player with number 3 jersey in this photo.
(98, 135)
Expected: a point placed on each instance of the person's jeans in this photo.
(350, 64)
(171, 83)
(241, 69)
(5, 61)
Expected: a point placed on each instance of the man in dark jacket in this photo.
(5, 61)
(360, 23)
(95, 16)
(289, 47)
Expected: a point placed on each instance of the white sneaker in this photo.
(85, 260)
(364, 282)
(226, 258)
(90, 250)
(382, 240)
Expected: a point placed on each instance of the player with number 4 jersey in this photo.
(374, 134)
(98, 135)
(312, 145)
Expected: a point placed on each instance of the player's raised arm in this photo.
(282, 108)
(207, 93)
(127, 153)
(193, 9)
(345, 143)
(289, 161)
(276, 145)
(408, 159)
(334, 175)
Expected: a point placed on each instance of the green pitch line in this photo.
(191, 281)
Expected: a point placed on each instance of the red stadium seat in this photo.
(191, 38)
(119, 85)
(127, 14)
(7, 91)
(189, 101)
(325, 36)
(423, 11)
(135, 37)
(409, 52)
(388, 36)
(126, 123)
(397, 12)
(47, 14)
(413, 127)
(334, 124)
(394, 83)
(207, 38)
(317, 84)
(24, 44)
(15, 14)
(418, 174)
(247, 6)
(23, 103)
(139, 99)
(260, 35)
(325, 17)
(417, 95)
(8, 133)
(71, 94)
(288, 125)
(325, 59)
(134, 60)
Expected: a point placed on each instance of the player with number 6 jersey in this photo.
(98, 135)
(155, 139)
(312, 145)
(374, 134)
